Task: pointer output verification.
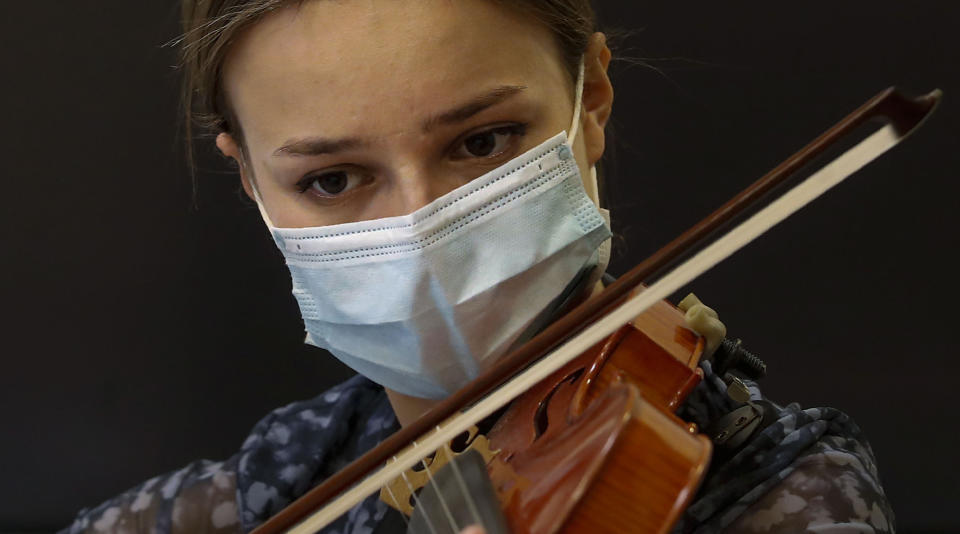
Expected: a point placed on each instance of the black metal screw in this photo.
(732, 356)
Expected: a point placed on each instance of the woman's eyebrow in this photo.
(471, 108)
(315, 146)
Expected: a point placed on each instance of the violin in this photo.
(590, 441)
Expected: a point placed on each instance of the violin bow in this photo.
(604, 313)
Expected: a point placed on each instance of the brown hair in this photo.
(209, 26)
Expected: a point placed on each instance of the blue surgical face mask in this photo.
(423, 303)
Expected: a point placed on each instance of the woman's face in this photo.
(361, 109)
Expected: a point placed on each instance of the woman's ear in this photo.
(230, 148)
(597, 96)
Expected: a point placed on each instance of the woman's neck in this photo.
(408, 409)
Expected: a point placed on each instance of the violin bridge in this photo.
(399, 493)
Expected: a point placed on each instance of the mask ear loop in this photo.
(263, 210)
(591, 186)
(259, 200)
(593, 190)
(271, 228)
(577, 104)
(273, 234)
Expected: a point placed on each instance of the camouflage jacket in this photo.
(811, 470)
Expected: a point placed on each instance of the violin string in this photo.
(413, 493)
(436, 488)
(467, 496)
(396, 503)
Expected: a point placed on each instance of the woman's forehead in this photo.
(370, 64)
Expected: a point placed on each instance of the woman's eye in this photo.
(329, 184)
(490, 143)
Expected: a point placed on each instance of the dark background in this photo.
(140, 333)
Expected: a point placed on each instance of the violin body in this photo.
(596, 447)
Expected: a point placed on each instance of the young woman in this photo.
(426, 169)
